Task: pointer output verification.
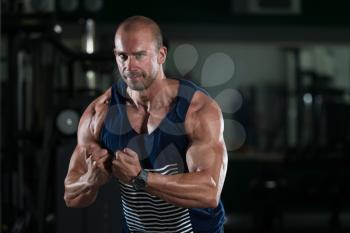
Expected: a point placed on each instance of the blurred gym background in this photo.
(280, 69)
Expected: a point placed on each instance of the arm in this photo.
(87, 167)
(206, 159)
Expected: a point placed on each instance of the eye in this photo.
(139, 56)
(122, 56)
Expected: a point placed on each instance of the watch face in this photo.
(139, 182)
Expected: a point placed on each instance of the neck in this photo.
(145, 97)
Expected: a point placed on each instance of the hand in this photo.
(96, 161)
(126, 165)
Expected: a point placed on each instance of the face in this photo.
(138, 58)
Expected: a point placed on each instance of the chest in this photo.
(143, 121)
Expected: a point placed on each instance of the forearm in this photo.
(79, 191)
(85, 176)
(83, 199)
(191, 190)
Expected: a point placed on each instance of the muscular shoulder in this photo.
(203, 116)
(92, 119)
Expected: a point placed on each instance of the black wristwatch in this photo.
(140, 181)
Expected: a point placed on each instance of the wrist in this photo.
(139, 182)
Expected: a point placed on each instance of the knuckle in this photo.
(104, 151)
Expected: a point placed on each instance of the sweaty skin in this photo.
(88, 165)
(206, 157)
(149, 98)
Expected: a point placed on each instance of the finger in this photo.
(99, 154)
(87, 154)
(118, 154)
(124, 158)
(89, 163)
(130, 152)
(124, 161)
(104, 159)
(102, 152)
(94, 146)
(115, 163)
(128, 159)
(102, 163)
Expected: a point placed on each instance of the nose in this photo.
(130, 63)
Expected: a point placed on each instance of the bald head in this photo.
(137, 23)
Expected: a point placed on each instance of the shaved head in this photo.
(139, 52)
(137, 23)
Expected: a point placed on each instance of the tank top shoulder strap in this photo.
(186, 91)
(115, 108)
(118, 93)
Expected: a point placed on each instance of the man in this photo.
(165, 137)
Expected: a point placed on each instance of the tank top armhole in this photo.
(186, 92)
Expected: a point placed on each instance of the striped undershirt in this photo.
(147, 213)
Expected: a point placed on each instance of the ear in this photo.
(162, 55)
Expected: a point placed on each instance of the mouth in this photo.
(134, 76)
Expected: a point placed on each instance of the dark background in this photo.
(286, 125)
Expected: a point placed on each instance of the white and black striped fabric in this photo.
(163, 151)
(147, 213)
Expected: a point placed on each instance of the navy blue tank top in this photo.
(162, 151)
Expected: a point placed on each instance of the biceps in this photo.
(206, 157)
(91, 122)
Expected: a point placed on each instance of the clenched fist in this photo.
(126, 165)
(97, 166)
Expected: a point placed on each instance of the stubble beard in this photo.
(139, 85)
